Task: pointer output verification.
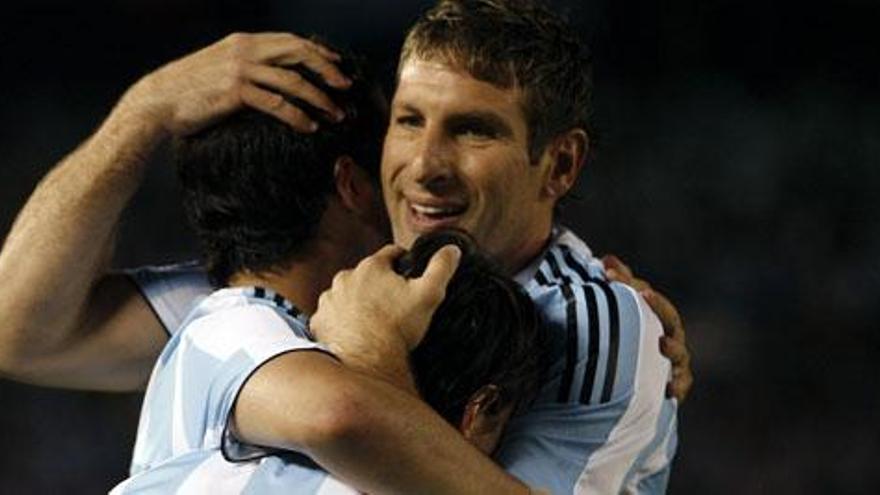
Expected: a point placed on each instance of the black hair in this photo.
(254, 190)
(486, 331)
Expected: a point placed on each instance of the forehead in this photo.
(438, 86)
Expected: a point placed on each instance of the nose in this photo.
(433, 165)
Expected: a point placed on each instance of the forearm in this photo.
(61, 241)
(397, 444)
(385, 359)
(53, 307)
(364, 431)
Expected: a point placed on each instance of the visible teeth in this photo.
(432, 210)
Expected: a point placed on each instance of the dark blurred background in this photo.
(738, 171)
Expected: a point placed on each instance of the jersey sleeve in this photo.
(265, 337)
(601, 423)
(171, 291)
(200, 374)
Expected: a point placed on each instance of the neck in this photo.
(528, 251)
(305, 276)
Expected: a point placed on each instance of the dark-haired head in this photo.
(255, 190)
(483, 355)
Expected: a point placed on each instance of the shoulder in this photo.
(187, 274)
(231, 322)
(600, 330)
(604, 393)
(171, 291)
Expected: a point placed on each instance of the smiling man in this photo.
(490, 124)
(488, 132)
(457, 154)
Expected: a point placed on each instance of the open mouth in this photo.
(437, 212)
(435, 216)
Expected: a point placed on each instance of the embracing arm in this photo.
(366, 432)
(360, 417)
(64, 321)
(53, 260)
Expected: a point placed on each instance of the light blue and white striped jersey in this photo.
(183, 444)
(601, 423)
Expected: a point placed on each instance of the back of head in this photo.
(255, 190)
(485, 332)
(513, 44)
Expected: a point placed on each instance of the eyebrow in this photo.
(408, 107)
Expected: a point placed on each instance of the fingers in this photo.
(260, 82)
(328, 53)
(318, 64)
(682, 376)
(441, 268)
(279, 44)
(672, 345)
(675, 351)
(430, 290)
(289, 49)
(681, 384)
(669, 317)
(274, 104)
(637, 284)
(618, 271)
(293, 84)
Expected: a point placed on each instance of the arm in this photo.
(53, 258)
(64, 321)
(366, 432)
(361, 419)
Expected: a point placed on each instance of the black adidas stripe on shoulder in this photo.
(613, 340)
(589, 287)
(592, 345)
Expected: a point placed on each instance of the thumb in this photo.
(439, 271)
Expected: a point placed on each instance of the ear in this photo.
(566, 154)
(355, 189)
(480, 413)
(484, 419)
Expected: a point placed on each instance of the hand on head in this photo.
(372, 312)
(239, 71)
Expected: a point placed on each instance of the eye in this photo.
(408, 121)
(475, 130)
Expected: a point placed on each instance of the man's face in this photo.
(456, 155)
